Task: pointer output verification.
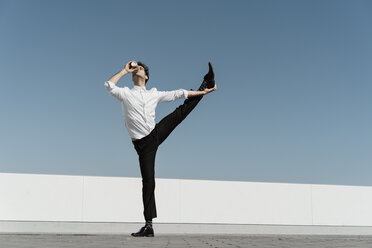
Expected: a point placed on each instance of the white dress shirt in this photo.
(138, 106)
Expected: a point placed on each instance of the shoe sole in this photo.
(149, 235)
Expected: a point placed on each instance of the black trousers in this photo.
(147, 147)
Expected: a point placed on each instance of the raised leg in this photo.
(171, 121)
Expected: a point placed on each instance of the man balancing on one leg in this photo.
(138, 106)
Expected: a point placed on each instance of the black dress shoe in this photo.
(145, 231)
(208, 79)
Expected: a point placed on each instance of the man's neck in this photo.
(140, 83)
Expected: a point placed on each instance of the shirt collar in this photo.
(136, 87)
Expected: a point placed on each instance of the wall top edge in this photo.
(181, 179)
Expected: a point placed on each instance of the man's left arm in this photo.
(168, 96)
(192, 93)
(172, 95)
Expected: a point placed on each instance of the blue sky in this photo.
(293, 102)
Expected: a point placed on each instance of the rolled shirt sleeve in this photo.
(169, 96)
(114, 90)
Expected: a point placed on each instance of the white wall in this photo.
(35, 197)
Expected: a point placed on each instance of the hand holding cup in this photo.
(131, 66)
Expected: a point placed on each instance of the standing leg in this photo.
(146, 150)
(147, 164)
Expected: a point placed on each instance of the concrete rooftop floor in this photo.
(173, 240)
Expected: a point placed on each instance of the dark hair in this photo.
(146, 70)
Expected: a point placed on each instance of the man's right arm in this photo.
(110, 84)
(115, 79)
(111, 87)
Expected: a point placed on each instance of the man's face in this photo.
(139, 72)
